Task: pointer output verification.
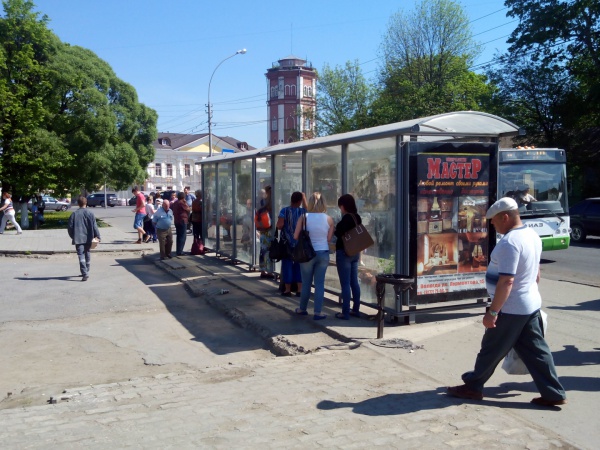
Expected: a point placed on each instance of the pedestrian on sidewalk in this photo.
(189, 199)
(181, 212)
(267, 267)
(286, 222)
(196, 216)
(163, 220)
(140, 213)
(320, 227)
(148, 224)
(513, 319)
(82, 230)
(9, 213)
(347, 266)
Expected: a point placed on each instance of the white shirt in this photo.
(318, 228)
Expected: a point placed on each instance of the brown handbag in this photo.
(357, 239)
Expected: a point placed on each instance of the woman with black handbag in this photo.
(347, 266)
(286, 222)
(320, 228)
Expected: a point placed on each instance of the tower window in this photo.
(274, 124)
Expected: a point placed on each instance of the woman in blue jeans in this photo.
(347, 266)
(320, 227)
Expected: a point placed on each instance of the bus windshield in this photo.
(538, 188)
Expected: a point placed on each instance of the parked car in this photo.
(52, 204)
(585, 219)
(132, 200)
(98, 199)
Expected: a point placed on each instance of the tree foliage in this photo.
(344, 98)
(564, 37)
(427, 53)
(66, 120)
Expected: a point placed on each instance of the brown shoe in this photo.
(464, 391)
(139, 241)
(541, 401)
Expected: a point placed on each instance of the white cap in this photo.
(502, 205)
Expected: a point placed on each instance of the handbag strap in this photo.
(354, 218)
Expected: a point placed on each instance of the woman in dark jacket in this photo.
(347, 266)
(197, 215)
(286, 222)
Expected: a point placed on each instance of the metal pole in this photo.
(239, 52)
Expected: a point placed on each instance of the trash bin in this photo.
(400, 283)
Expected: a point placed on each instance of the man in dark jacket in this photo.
(83, 229)
(181, 213)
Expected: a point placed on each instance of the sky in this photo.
(168, 50)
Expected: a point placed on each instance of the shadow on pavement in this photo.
(203, 323)
(572, 356)
(590, 305)
(67, 278)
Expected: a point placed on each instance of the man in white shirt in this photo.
(513, 319)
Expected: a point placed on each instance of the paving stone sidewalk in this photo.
(331, 399)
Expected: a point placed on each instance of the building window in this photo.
(274, 91)
(158, 169)
(165, 141)
(187, 170)
(307, 124)
(169, 170)
(274, 124)
(290, 89)
(308, 92)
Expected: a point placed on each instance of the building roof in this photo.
(179, 140)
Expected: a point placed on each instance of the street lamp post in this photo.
(239, 52)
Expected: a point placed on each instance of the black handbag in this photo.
(357, 239)
(279, 248)
(303, 251)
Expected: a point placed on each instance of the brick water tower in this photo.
(291, 100)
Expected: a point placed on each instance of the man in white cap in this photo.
(513, 319)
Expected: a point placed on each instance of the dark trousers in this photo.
(197, 230)
(165, 242)
(525, 334)
(84, 255)
(150, 229)
(180, 231)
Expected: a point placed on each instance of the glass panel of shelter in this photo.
(371, 175)
(245, 236)
(210, 206)
(264, 198)
(225, 212)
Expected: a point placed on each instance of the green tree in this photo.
(66, 120)
(427, 53)
(26, 45)
(343, 99)
(99, 119)
(540, 98)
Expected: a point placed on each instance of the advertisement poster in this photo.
(452, 199)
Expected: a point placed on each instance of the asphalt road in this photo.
(577, 264)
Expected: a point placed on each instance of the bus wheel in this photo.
(577, 234)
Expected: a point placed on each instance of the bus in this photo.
(537, 179)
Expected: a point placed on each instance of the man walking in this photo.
(140, 213)
(82, 230)
(181, 213)
(163, 219)
(513, 319)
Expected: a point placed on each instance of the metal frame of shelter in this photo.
(232, 183)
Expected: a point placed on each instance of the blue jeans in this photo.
(180, 231)
(347, 268)
(315, 268)
(84, 255)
